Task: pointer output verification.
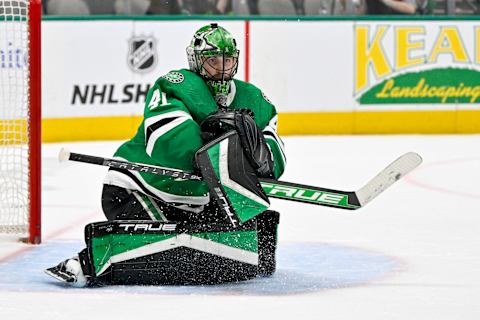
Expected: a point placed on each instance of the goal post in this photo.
(35, 100)
(20, 119)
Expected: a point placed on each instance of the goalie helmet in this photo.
(213, 54)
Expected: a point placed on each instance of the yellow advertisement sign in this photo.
(416, 64)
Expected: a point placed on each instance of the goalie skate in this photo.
(70, 272)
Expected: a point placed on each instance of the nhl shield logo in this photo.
(142, 54)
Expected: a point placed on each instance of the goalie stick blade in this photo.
(63, 155)
(388, 176)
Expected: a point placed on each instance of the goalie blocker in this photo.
(232, 181)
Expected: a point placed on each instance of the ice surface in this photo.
(412, 253)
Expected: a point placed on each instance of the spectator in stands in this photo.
(402, 7)
(103, 7)
(193, 7)
(224, 6)
(253, 7)
(298, 5)
(164, 7)
(426, 7)
(131, 7)
(67, 7)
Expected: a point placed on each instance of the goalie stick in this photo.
(350, 200)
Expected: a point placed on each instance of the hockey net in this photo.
(20, 118)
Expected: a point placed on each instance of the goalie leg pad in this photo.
(158, 253)
(153, 253)
(267, 228)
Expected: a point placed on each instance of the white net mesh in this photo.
(14, 113)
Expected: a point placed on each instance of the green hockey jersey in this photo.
(169, 135)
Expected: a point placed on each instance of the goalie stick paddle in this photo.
(350, 200)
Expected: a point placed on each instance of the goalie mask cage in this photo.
(20, 119)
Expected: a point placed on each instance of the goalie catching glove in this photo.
(251, 137)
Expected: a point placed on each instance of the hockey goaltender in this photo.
(167, 230)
